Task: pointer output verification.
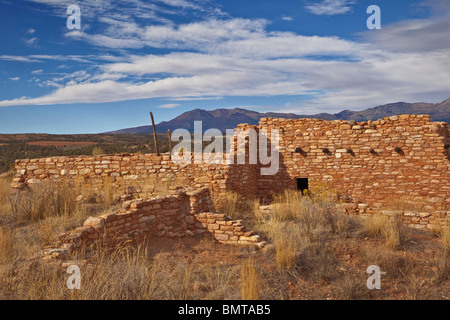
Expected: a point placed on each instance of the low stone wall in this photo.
(225, 230)
(414, 219)
(132, 175)
(181, 214)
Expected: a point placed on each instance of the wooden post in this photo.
(169, 133)
(155, 139)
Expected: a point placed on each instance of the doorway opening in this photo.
(303, 185)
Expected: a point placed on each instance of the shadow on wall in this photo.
(265, 178)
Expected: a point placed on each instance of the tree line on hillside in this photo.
(13, 150)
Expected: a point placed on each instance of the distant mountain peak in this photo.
(223, 119)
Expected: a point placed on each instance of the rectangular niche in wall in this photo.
(302, 184)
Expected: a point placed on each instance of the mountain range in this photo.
(223, 119)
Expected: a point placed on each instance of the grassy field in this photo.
(313, 252)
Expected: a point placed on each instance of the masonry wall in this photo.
(360, 160)
(181, 214)
(134, 174)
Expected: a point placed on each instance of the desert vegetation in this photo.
(27, 146)
(313, 251)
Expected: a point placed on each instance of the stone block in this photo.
(95, 222)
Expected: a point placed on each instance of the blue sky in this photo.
(131, 57)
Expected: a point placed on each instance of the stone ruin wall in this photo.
(183, 213)
(135, 174)
(360, 161)
(357, 159)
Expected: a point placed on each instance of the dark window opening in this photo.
(301, 151)
(400, 151)
(303, 184)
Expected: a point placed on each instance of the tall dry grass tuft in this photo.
(287, 238)
(43, 200)
(375, 224)
(219, 282)
(391, 236)
(108, 192)
(445, 234)
(97, 151)
(436, 229)
(5, 190)
(46, 230)
(234, 205)
(286, 253)
(250, 281)
(320, 192)
(5, 183)
(256, 211)
(6, 244)
(300, 226)
(229, 203)
(115, 275)
(392, 229)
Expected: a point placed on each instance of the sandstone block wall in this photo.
(370, 162)
(132, 175)
(184, 213)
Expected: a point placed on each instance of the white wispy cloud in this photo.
(32, 42)
(215, 58)
(39, 58)
(331, 7)
(14, 78)
(169, 106)
(418, 35)
(28, 59)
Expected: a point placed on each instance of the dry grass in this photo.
(56, 200)
(5, 183)
(445, 234)
(43, 200)
(298, 222)
(229, 203)
(236, 206)
(108, 192)
(5, 189)
(317, 253)
(286, 252)
(46, 230)
(97, 151)
(6, 244)
(125, 273)
(375, 224)
(392, 230)
(250, 283)
(121, 274)
(436, 229)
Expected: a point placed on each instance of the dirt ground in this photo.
(410, 272)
